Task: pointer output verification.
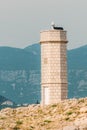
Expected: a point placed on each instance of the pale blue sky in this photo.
(22, 20)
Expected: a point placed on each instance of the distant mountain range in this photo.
(20, 73)
(17, 59)
(77, 72)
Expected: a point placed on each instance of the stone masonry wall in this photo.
(53, 66)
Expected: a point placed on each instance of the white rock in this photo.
(70, 128)
(83, 109)
(81, 122)
(83, 127)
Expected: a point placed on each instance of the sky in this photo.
(22, 20)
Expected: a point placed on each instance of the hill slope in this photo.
(4, 102)
(17, 59)
(77, 58)
(77, 72)
(19, 75)
(66, 115)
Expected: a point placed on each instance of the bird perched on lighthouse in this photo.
(55, 27)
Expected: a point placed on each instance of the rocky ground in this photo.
(66, 115)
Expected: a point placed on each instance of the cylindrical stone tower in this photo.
(53, 66)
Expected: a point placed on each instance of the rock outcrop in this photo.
(66, 115)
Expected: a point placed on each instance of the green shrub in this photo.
(67, 118)
(19, 122)
(54, 105)
(16, 128)
(47, 121)
(81, 101)
(69, 113)
(31, 127)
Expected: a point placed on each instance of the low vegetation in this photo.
(51, 117)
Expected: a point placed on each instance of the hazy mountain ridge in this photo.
(20, 85)
(77, 72)
(16, 59)
(20, 73)
(77, 58)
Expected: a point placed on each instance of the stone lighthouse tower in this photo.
(53, 65)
